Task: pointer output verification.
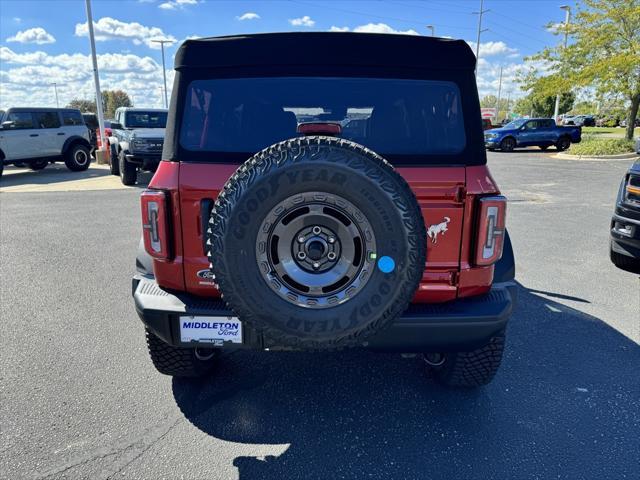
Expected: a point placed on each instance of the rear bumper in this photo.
(147, 161)
(455, 326)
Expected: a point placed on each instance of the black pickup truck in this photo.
(136, 144)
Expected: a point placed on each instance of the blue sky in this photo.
(45, 41)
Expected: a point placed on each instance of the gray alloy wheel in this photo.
(312, 251)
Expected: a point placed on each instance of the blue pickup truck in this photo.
(527, 132)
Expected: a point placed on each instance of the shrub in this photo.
(601, 146)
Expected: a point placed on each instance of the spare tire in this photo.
(317, 242)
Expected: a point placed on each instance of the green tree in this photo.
(540, 106)
(111, 100)
(114, 99)
(82, 105)
(603, 55)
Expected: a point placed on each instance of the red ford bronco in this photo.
(325, 191)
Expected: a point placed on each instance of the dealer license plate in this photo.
(215, 330)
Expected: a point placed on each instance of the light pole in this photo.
(499, 94)
(164, 70)
(567, 16)
(55, 89)
(101, 152)
(480, 30)
(433, 30)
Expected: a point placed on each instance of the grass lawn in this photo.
(610, 130)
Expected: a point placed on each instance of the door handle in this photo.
(33, 135)
(60, 133)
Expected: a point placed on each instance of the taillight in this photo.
(155, 228)
(491, 228)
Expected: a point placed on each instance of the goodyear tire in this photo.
(317, 242)
(469, 369)
(179, 362)
(77, 158)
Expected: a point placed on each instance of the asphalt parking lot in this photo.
(80, 398)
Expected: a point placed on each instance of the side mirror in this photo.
(116, 126)
(7, 125)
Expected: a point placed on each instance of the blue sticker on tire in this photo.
(386, 264)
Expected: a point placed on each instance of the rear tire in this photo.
(543, 147)
(128, 171)
(38, 164)
(507, 144)
(179, 362)
(470, 369)
(77, 158)
(628, 264)
(563, 143)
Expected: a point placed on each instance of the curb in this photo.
(595, 158)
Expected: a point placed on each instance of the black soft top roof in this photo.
(325, 48)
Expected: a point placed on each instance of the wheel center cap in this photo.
(315, 249)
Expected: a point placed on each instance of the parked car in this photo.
(136, 143)
(581, 121)
(625, 224)
(540, 132)
(38, 136)
(320, 241)
(624, 122)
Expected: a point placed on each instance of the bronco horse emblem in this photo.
(434, 230)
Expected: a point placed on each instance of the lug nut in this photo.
(302, 255)
(331, 256)
(316, 265)
(317, 230)
(331, 240)
(300, 239)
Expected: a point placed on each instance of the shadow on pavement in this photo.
(58, 173)
(566, 404)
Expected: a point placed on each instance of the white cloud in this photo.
(338, 29)
(302, 21)
(25, 77)
(248, 16)
(488, 49)
(17, 20)
(33, 35)
(175, 4)
(382, 28)
(108, 28)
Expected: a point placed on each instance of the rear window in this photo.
(390, 116)
(146, 119)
